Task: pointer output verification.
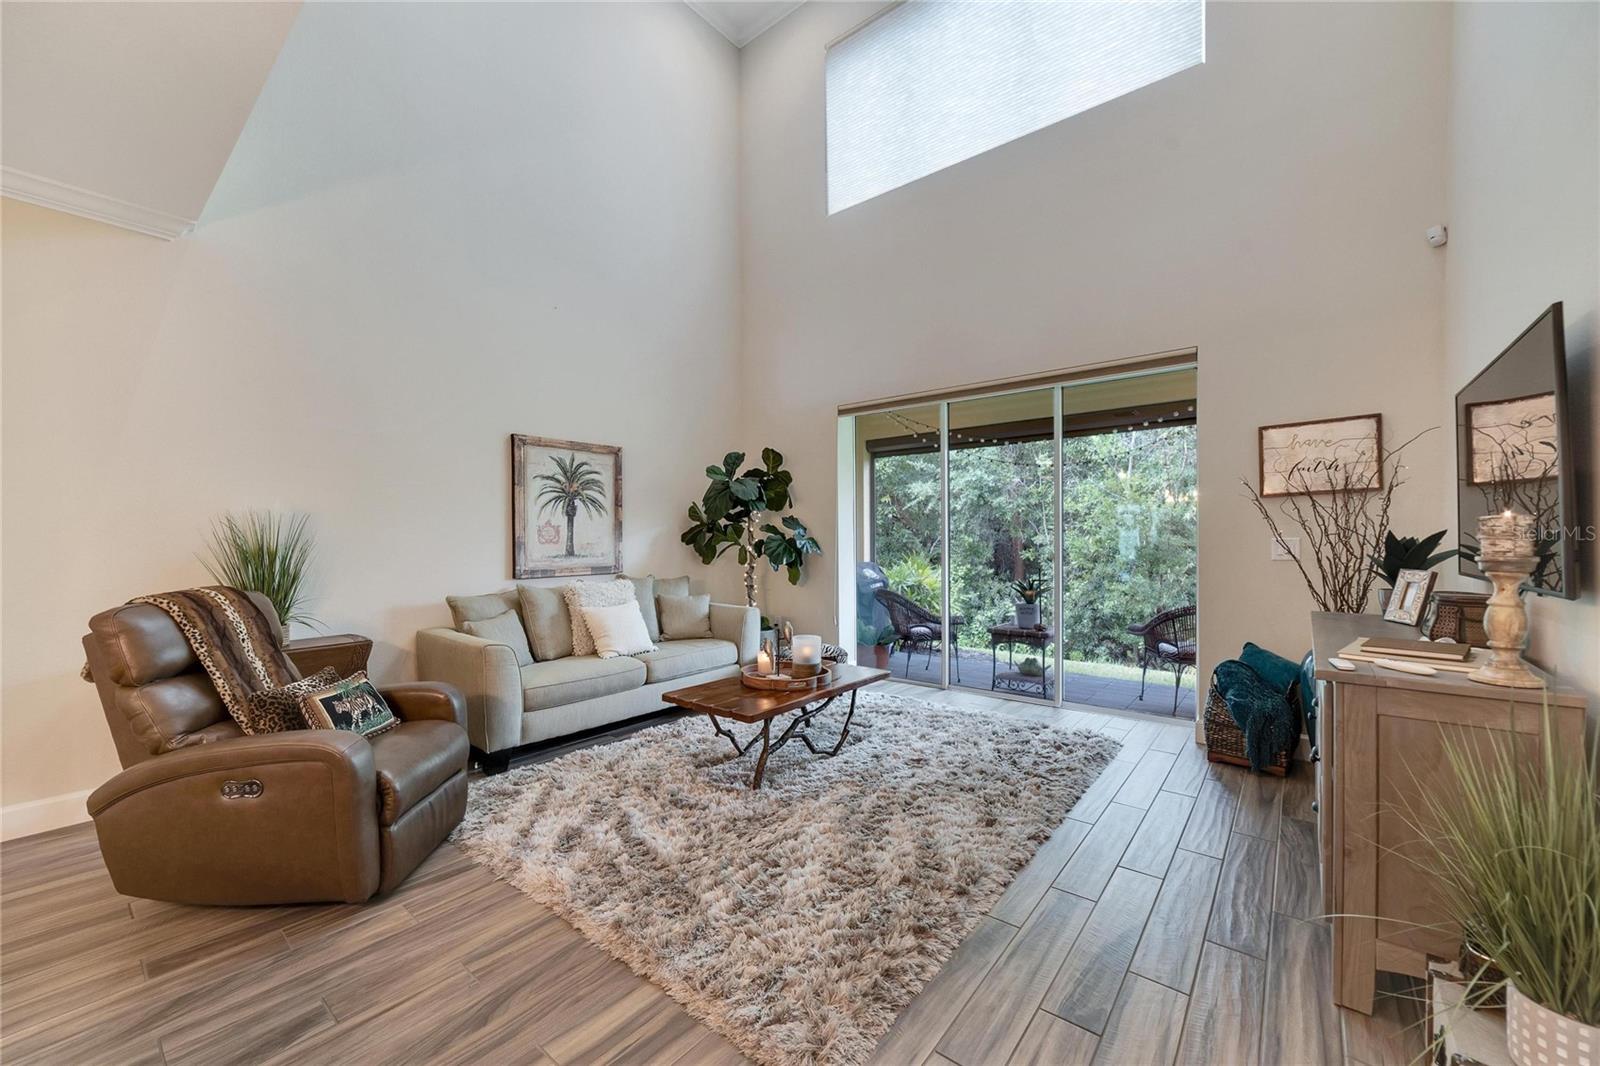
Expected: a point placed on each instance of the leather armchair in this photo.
(202, 813)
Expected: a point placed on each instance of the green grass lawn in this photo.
(1124, 673)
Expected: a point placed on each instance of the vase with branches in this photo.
(260, 551)
(1342, 520)
(731, 513)
(575, 485)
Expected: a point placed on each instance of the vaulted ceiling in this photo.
(128, 112)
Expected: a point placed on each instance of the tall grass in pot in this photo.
(1518, 864)
(260, 551)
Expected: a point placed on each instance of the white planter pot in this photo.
(1027, 614)
(1538, 1036)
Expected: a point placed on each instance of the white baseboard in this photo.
(43, 815)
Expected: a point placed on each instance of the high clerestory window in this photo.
(930, 83)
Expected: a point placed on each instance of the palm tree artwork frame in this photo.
(566, 508)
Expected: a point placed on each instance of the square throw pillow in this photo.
(684, 617)
(353, 704)
(672, 586)
(644, 590)
(617, 630)
(475, 608)
(584, 594)
(277, 710)
(1272, 668)
(547, 620)
(504, 628)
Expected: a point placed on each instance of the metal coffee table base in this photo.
(795, 730)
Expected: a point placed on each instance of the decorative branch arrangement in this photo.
(729, 516)
(1342, 520)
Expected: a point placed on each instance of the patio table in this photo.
(1013, 679)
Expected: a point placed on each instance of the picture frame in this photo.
(1321, 456)
(1513, 440)
(1409, 599)
(566, 508)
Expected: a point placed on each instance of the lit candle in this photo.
(1507, 535)
(806, 651)
(764, 662)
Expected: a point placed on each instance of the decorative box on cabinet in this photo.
(1381, 738)
(345, 652)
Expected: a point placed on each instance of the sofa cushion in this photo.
(477, 608)
(644, 590)
(617, 630)
(673, 659)
(582, 595)
(672, 586)
(684, 616)
(412, 760)
(576, 678)
(549, 624)
(505, 628)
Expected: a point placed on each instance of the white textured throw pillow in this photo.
(585, 595)
(618, 630)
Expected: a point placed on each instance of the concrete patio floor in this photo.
(1086, 689)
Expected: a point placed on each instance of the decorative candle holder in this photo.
(805, 651)
(1506, 623)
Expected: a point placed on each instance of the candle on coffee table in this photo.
(1508, 535)
(806, 651)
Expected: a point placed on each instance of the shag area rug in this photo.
(798, 921)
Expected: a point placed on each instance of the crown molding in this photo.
(59, 196)
(741, 37)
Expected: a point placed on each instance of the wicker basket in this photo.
(1225, 740)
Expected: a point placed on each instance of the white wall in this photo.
(1524, 233)
(443, 224)
(1267, 207)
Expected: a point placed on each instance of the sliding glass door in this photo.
(1002, 533)
(900, 582)
(1023, 543)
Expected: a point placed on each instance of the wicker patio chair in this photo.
(1169, 640)
(917, 629)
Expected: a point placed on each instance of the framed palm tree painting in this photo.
(566, 501)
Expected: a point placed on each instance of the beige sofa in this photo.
(511, 706)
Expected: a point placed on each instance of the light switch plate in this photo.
(1282, 554)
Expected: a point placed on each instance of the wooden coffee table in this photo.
(731, 698)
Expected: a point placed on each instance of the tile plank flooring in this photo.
(1173, 917)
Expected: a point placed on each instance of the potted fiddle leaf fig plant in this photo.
(1030, 590)
(744, 511)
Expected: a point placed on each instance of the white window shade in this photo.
(930, 83)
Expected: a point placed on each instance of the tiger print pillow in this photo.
(277, 710)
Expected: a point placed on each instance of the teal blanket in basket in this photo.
(1262, 713)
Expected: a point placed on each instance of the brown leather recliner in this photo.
(202, 813)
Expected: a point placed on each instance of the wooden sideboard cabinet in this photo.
(1380, 746)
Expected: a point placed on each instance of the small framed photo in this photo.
(1410, 596)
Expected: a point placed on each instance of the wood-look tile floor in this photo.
(1172, 917)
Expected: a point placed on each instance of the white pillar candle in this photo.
(763, 661)
(1507, 535)
(806, 651)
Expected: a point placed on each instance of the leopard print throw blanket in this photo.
(233, 641)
